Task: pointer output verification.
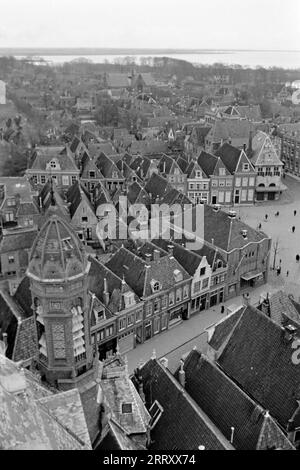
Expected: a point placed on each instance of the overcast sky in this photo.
(221, 24)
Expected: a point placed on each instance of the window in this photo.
(244, 194)
(100, 335)
(65, 180)
(11, 202)
(34, 179)
(11, 259)
(202, 271)
(197, 286)
(11, 273)
(251, 181)
(58, 338)
(92, 174)
(222, 183)
(139, 315)
(178, 295)
(198, 174)
(122, 323)
(250, 194)
(246, 167)
(238, 182)
(43, 179)
(155, 286)
(84, 219)
(148, 310)
(9, 216)
(130, 319)
(221, 171)
(74, 179)
(156, 305)
(228, 182)
(110, 330)
(214, 183)
(245, 182)
(164, 302)
(185, 291)
(171, 298)
(191, 185)
(114, 174)
(55, 305)
(156, 325)
(126, 408)
(53, 164)
(164, 321)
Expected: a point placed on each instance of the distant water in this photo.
(283, 59)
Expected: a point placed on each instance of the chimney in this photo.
(232, 434)
(105, 292)
(148, 257)
(232, 214)
(213, 241)
(244, 147)
(156, 255)
(181, 375)
(170, 249)
(217, 207)
(4, 337)
(164, 361)
(289, 332)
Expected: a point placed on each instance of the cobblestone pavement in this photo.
(179, 340)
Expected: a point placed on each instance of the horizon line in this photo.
(137, 49)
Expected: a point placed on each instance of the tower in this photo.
(58, 269)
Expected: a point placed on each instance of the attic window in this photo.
(177, 275)
(155, 411)
(126, 408)
(114, 174)
(156, 286)
(245, 166)
(53, 164)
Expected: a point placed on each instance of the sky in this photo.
(181, 24)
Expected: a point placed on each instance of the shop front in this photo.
(178, 314)
(252, 279)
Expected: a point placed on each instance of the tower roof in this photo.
(57, 252)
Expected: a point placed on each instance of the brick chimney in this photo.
(156, 255)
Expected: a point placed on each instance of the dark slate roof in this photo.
(75, 195)
(228, 406)
(17, 241)
(137, 194)
(107, 166)
(229, 155)
(259, 358)
(182, 425)
(43, 155)
(223, 329)
(187, 259)
(226, 232)
(207, 162)
(157, 186)
(138, 276)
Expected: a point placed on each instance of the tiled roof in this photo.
(230, 128)
(223, 329)
(228, 406)
(283, 308)
(259, 358)
(107, 166)
(26, 423)
(157, 186)
(77, 194)
(226, 232)
(26, 342)
(67, 408)
(17, 240)
(207, 162)
(43, 155)
(182, 425)
(230, 156)
(263, 151)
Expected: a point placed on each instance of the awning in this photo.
(270, 189)
(251, 275)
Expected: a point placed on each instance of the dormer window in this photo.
(53, 164)
(156, 286)
(129, 299)
(114, 174)
(246, 167)
(221, 171)
(198, 174)
(126, 408)
(178, 275)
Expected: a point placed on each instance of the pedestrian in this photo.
(222, 309)
(287, 274)
(277, 213)
(295, 212)
(297, 258)
(266, 216)
(279, 261)
(259, 227)
(293, 228)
